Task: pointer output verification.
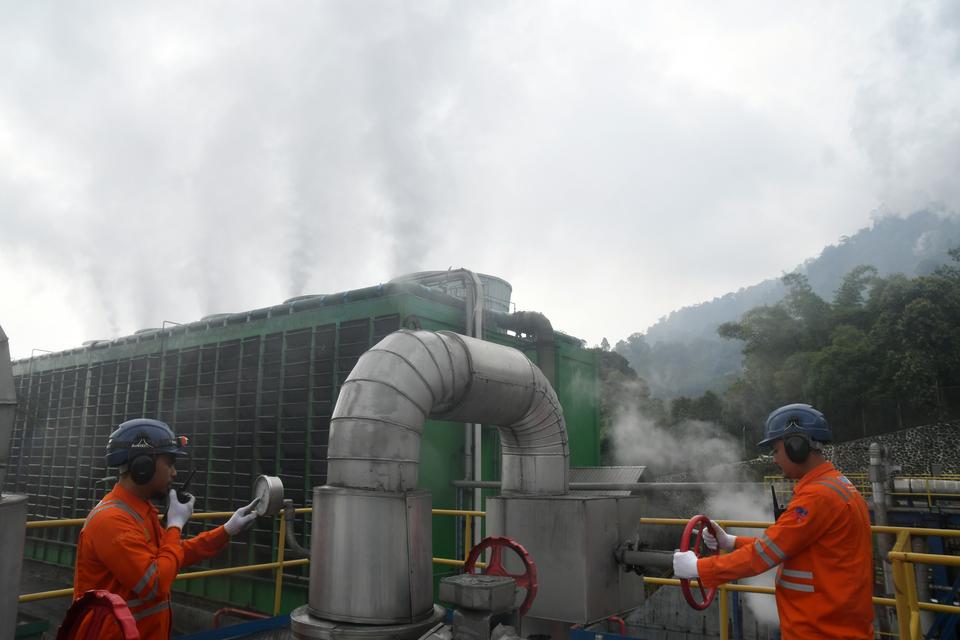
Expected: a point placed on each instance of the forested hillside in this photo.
(682, 354)
(880, 354)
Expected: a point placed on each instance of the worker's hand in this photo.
(685, 564)
(178, 512)
(727, 541)
(242, 518)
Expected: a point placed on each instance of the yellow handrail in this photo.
(746, 588)
(209, 573)
(759, 524)
(189, 575)
(278, 565)
(906, 603)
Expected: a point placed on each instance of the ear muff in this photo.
(142, 469)
(797, 447)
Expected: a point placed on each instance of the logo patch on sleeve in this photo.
(801, 514)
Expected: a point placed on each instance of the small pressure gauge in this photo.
(270, 491)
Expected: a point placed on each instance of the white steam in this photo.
(692, 445)
(704, 449)
(748, 504)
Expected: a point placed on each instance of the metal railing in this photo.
(906, 603)
(277, 565)
(784, 486)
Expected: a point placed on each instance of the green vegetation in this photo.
(883, 353)
(892, 341)
(682, 354)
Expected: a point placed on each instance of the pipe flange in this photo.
(306, 626)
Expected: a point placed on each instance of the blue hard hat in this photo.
(796, 418)
(142, 436)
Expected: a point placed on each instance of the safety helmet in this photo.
(142, 436)
(796, 419)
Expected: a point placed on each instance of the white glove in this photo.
(241, 519)
(178, 512)
(685, 564)
(727, 541)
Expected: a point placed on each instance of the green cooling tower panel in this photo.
(577, 386)
(254, 394)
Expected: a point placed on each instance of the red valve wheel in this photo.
(96, 606)
(708, 595)
(496, 544)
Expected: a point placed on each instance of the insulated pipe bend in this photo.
(411, 376)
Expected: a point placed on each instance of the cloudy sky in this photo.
(612, 160)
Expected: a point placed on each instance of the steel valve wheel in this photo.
(496, 544)
(695, 526)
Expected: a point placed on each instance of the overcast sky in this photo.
(612, 160)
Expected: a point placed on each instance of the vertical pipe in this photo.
(278, 584)
(478, 474)
(903, 604)
(911, 580)
(737, 617)
(468, 466)
(13, 508)
(468, 520)
(878, 485)
(724, 631)
(919, 545)
(13, 518)
(475, 309)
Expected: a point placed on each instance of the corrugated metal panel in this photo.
(606, 474)
(254, 394)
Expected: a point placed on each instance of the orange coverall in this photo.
(822, 546)
(122, 548)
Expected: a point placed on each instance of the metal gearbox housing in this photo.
(574, 540)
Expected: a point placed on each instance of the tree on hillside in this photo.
(681, 354)
(620, 386)
(708, 408)
(674, 367)
(894, 339)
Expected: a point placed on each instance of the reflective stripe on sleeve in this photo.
(103, 506)
(773, 547)
(793, 573)
(145, 580)
(840, 492)
(145, 599)
(795, 586)
(763, 554)
(139, 615)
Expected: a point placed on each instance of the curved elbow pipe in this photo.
(411, 376)
(293, 545)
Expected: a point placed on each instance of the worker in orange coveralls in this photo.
(820, 544)
(123, 548)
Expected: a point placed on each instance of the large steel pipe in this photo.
(370, 508)
(13, 521)
(13, 508)
(8, 404)
(410, 376)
